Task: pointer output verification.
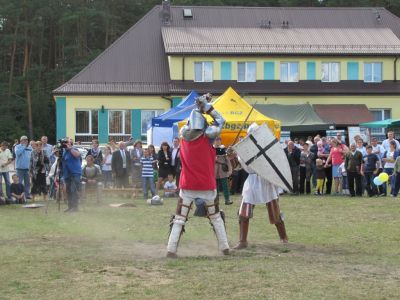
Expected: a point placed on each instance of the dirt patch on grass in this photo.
(113, 253)
(123, 276)
(116, 248)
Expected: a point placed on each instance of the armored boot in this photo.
(177, 229)
(282, 232)
(177, 226)
(244, 229)
(219, 228)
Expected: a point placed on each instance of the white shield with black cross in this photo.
(262, 152)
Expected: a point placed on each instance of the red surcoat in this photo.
(198, 165)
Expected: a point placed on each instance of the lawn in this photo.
(339, 248)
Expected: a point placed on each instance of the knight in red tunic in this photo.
(197, 182)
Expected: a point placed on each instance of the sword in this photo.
(244, 123)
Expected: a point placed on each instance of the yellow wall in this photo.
(175, 65)
(110, 102)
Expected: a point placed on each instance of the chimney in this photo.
(166, 12)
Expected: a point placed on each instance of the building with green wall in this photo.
(323, 56)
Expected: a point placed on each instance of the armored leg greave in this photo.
(219, 228)
(276, 217)
(177, 228)
(280, 226)
(218, 225)
(244, 229)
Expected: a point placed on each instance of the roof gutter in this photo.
(169, 99)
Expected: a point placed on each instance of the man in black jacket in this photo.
(314, 150)
(293, 156)
(121, 166)
(353, 165)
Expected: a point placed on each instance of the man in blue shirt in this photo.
(23, 153)
(71, 166)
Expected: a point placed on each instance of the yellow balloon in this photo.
(383, 177)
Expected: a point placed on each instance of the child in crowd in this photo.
(170, 188)
(17, 190)
(345, 183)
(320, 171)
(321, 149)
(147, 173)
(370, 169)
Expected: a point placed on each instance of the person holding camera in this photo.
(72, 170)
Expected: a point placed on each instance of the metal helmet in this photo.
(156, 200)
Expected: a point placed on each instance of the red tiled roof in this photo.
(343, 114)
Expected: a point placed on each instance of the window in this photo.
(203, 71)
(86, 122)
(373, 72)
(187, 13)
(289, 72)
(330, 72)
(119, 122)
(146, 116)
(247, 72)
(380, 115)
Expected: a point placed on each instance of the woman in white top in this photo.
(389, 159)
(106, 167)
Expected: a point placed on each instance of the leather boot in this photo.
(244, 229)
(282, 232)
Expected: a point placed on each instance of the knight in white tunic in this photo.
(257, 190)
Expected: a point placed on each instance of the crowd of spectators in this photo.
(38, 173)
(325, 163)
(318, 164)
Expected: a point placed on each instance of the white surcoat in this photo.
(257, 190)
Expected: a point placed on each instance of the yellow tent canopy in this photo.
(235, 110)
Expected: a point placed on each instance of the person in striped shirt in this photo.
(147, 174)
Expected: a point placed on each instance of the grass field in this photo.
(340, 248)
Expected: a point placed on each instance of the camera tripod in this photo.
(57, 179)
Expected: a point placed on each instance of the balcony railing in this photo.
(85, 138)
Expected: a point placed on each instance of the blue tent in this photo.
(161, 127)
(164, 120)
